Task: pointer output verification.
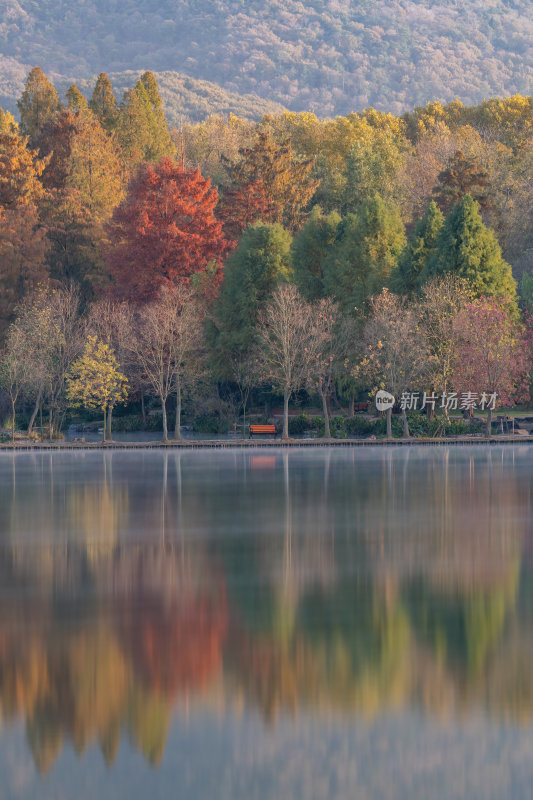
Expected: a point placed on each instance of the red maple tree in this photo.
(165, 231)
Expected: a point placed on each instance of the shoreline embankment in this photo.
(190, 444)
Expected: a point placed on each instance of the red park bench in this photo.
(263, 430)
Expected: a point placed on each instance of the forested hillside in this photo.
(327, 56)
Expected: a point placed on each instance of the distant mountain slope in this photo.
(330, 56)
(184, 98)
(188, 99)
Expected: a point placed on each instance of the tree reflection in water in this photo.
(339, 581)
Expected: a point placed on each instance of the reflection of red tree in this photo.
(177, 647)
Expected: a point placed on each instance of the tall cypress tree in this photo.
(310, 249)
(75, 100)
(104, 104)
(161, 143)
(39, 104)
(133, 128)
(251, 273)
(466, 247)
(142, 128)
(366, 253)
(419, 249)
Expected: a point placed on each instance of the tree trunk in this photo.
(50, 425)
(109, 422)
(389, 423)
(143, 410)
(35, 410)
(285, 434)
(406, 433)
(165, 423)
(489, 422)
(325, 411)
(177, 426)
(351, 411)
(12, 419)
(105, 426)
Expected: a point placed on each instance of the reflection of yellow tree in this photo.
(101, 512)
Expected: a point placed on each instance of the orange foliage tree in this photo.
(165, 231)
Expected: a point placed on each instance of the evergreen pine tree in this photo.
(251, 273)
(366, 253)
(310, 249)
(467, 248)
(418, 251)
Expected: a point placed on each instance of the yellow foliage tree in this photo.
(20, 170)
(95, 380)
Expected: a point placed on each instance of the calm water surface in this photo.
(323, 623)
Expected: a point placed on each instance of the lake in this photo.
(307, 623)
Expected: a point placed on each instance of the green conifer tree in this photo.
(419, 249)
(467, 248)
(252, 271)
(366, 253)
(310, 249)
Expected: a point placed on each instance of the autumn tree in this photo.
(103, 103)
(442, 299)
(165, 231)
(286, 344)
(463, 175)
(286, 180)
(76, 101)
(94, 167)
(75, 252)
(38, 332)
(95, 380)
(23, 266)
(419, 249)
(395, 353)
(238, 208)
(13, 370)
(310, 249)
(494, 357)
(8, 124)
(65, 347)
(374, 164)
(20, 170)
(111, 323)
(213, 145)
(324, 363)
(160, 141)
(141, 126)
(365, 254)
(39, 104)
(55, 145)
(470, 250)
(166, 343)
